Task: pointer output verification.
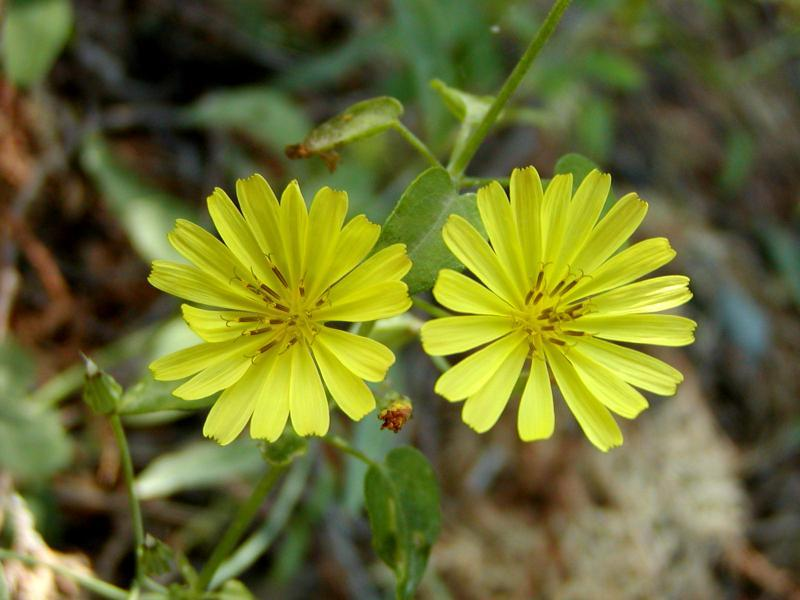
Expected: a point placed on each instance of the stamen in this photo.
(280, 276)
(250, 319)
(528, 296)
(548, 328)
(557, 341)
(558, 287)
(267, 347)
(257, 331)
(281, 307)
(539, 279)
(275, 321)
(575, 333)
(570, 286)
(538, 297)
(270, 291)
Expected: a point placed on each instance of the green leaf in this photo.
(198, 465)
(285, 449)
(464, 106)
(233, 590)
(33, 443)
(146, 213)
(34, 34)
(149, 396)
(100, 390)
(402, 500)
(417, 221)
(260, 112)
(363, 119)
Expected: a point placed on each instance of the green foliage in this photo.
(33, 444)
(285, 449)
(361, 120)
(417, 221)
(262, 113)
(146, 213)
(34, 33)
(580, 167)
(402, 500)
(149, 396)
(101, 392)
(197, 465)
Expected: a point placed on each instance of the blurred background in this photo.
(117, 117)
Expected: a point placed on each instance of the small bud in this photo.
(396, 414)
(100, 391)
(156, 556)
(285, 449)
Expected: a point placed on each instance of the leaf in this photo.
(363, 119)
(464, 106)
(402, 500)
(146, 213)
(260, 112)
(417, 221)
(149, 396)
(33, 443)
(198, 465)
(34, 34)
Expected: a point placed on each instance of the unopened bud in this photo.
(100, 391)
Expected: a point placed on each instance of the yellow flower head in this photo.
(551, 289)
(278, 275)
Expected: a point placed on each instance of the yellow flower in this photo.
(552, 290)
(280, 274)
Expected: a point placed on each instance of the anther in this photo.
(548, 328)
(528, 296)
(557, 341)
(258, 331)
(571, 285)
(270, 291)
(575, 333)
(538, 297)
(558, 287)
(280, 276)
(247, 319)
(267, 347)
(539, 279)
(281, 307)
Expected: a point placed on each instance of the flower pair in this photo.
(549, 290)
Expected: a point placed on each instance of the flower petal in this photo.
(272, 400)
(612, 231)
(378, 301)
(536, 420)
(526, 205)
(483, 408)
(583, 212)
(594, 418)
(472, 373)
(471, 249)
(233, 409)
(609, 388)
(389, 264)
(651, 295)
(356, 239)
(206, 252)
(661, 330)
(190, 283)
(349, 391)
(217, 325)
(194, 359)
(554, 216)
(365, 357)
(630, 264)
(462, 294)
(308, 405)
(637, 368)
(294, 225)
(497, 217)
(450, 335)
(262, 214)
(237, 235)
(325, 220)
(214, 378)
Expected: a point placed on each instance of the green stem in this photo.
(240, 523)
(136, 513)
(417, 144)
(94, 585)
(343, 445)
(459, 162)
(429, 308)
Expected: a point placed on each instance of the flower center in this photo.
(287, 318)
(545, 315)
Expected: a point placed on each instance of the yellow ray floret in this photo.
(269, 288)
(551, 288)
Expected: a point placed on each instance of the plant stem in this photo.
(343, 445)
(136, 513)
(429, 308)
(94, 585)
(240, 523)
(417, 144)
(459, 162)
